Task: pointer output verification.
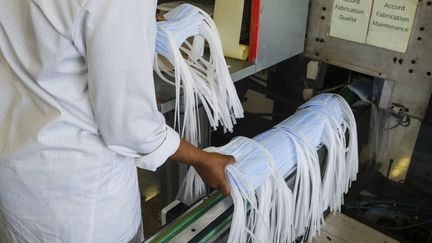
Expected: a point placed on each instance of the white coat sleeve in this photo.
(117, 39)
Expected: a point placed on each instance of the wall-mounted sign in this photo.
(391, 23)
(350, 19)
(386, 24)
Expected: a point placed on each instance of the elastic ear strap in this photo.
(201, 79)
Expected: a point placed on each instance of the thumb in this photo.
(232, 160)
(225, 189)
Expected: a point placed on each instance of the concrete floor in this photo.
(340, 228)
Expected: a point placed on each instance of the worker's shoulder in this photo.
(61, 6)
(61, 14)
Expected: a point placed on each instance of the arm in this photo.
(210, 166)
(116, 39)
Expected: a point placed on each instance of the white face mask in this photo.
(202, 79)
(257, 178)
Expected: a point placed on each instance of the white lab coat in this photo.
(78, 113)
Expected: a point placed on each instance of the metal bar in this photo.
(187, 219)
(215, 229)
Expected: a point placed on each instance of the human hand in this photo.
(209, 165)
(160, 17)
(212, 171)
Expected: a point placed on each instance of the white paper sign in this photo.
(391, 23)
(350, 19)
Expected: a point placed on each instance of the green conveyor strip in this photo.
(184, 221)
(216, 229)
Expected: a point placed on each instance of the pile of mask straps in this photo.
(266, 209)
(198, 78)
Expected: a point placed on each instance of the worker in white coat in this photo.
(78, 113)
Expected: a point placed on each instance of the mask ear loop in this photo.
(332, 177)
(246, 210)
(273, 199)
(308, 208)
(182, 79)
(208, 81)
(338, 170)
(336, 154)
(352, 145)
(280, 207)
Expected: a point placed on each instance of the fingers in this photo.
(232, 160)
(160, 17)
(213, 171)
(225, 189)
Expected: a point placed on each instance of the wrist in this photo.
(201, 158)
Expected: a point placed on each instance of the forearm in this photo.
(189, 154)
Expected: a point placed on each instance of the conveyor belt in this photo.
(206, 221)
(210, 218)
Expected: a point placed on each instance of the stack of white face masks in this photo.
(266, 209)
(202, 79)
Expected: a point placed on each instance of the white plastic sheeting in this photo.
(201, 78)
(277, 213)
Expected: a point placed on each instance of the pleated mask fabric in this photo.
(266, 209)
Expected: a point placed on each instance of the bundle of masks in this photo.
(266, 209)
(199, 78)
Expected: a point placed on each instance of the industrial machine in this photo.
(389, 42)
